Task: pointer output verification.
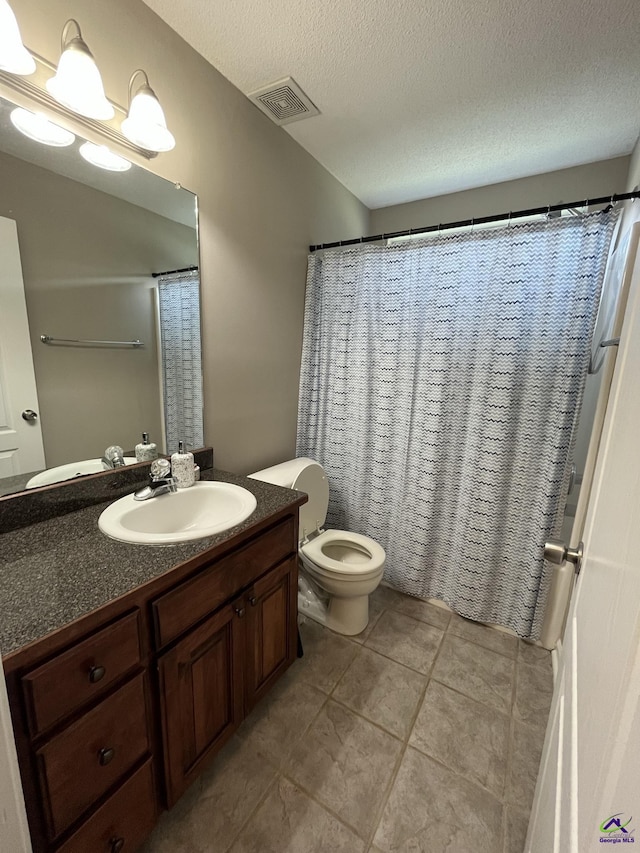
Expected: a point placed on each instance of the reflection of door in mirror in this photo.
(21, 447)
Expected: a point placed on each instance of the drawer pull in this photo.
(253, 601)
(239, 611)
(116, 844)
(96, 674)
(106, 756)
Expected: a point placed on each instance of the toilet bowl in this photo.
(338, 569)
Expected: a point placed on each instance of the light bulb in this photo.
(100, 155)
(38, 127)
(14, 57)
(77, 83)
(145, 125)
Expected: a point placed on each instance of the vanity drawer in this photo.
(122, 822)
(186, 605)
(80, 764)
(73, 678)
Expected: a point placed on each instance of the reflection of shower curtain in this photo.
(440, 385)
(179, 298)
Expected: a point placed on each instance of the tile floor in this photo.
(421, 735)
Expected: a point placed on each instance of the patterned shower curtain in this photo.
(440, 385)
(179, 299)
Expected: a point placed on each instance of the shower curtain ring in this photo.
(509, 220)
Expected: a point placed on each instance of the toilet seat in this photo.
(325, 549)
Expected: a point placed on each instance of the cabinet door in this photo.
(201, 695)
(272, 610)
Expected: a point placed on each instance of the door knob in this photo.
(557, 552)
(29, 415)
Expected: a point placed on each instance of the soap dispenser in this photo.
(182, 467)
(146, 451)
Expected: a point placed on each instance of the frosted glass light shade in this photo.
(77, 84)
(39, 128)
(145, 124)
(14, 57)
(99, 155)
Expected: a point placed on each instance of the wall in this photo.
(262, 200)
(590, 181)
(86, 261)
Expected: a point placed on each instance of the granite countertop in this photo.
(57, 570)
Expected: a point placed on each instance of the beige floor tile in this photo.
(406, 640)
(470, 738)
(516, 825)
(385, 597)
(288, 821)
(483, 635)
(534, 690)
(530, 653)
(346, 763)
(477, 672)
(423, 610)
(229, 791)
(432, 810)
(326, 656)
(174, 831)
(381, 690)
(526, 749)
(280, 719)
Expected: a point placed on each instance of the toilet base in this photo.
(348, 616)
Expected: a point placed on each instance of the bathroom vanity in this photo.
(131, 665)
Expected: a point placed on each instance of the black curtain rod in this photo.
(173, 272)
(481, 220)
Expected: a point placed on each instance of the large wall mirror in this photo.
(94, 256)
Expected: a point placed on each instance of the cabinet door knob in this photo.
(106, 755)
(253, 601)
(96, 673)
(239, 611)
(116, 844)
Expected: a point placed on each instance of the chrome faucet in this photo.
(161, 482)
(113, 457)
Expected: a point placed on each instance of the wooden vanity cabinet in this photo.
(200, 696)
(117, 713)
(213, 677)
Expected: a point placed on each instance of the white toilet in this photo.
(339, 569)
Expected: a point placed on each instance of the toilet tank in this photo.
(305, 475)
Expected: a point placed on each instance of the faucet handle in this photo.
(160, 469)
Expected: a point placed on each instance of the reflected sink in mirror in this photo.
(201, 510)
(72, 470)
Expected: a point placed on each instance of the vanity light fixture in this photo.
(99, 155)
(77, 83)
(14, 56)
(38, 127)
(145, 124)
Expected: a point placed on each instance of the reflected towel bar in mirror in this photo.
(47, 339)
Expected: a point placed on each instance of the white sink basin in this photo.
(201, 510)
(73, 469)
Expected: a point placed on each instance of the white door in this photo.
(21, 449)
(588, 791)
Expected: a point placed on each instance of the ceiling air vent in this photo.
(284, 101)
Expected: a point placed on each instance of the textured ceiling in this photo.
(424, 97)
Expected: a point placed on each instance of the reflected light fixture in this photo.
(100, 155)
(77, 84)
(38, 127)
(14, 56)
(145, 124)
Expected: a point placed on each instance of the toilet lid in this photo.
(312, 480)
